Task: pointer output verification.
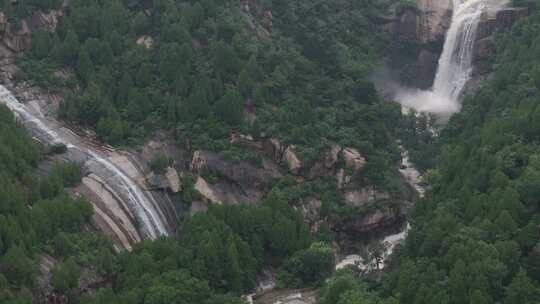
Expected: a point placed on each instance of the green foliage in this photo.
(65, 276)
(307, 267)
(306, 83)
(346, 288)
(33, 212)
(230, 108)
(159, 163)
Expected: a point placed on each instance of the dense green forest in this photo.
(303, 80)
(214, 67)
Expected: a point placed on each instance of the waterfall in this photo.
(145, 209)
(456, 61)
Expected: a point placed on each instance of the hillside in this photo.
(264, 107)
(205, 152)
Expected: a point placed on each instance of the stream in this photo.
(141, 206)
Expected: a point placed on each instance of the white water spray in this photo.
(456, 61)
(143, 206)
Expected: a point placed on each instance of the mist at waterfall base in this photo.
(427, 101)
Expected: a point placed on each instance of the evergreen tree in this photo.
(70, 47)
(230, 108)
(521, 290)
(245, 83)
(85, 67)
(17, 267)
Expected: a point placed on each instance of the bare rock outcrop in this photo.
(364, 196)
(17, 37)
(375, 220)
(418, 38)
(274, 148)
(169, 181)
(353, 159)
(434, 19)
(146, 41)
(491, 22)
(237, 181)
(293, 162)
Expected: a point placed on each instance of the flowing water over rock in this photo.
(455, 64)
(138, 204)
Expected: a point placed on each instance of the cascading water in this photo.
(456, 61)
(148, 215)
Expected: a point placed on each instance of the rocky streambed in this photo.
(113, 179)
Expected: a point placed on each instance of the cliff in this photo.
(419, 35)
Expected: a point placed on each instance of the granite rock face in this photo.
(433, 21)
(490, 24)
(418, 38)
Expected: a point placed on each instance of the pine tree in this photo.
(17, 267)
(233, 271)
(144, 75)
(521, 290)
(230, 108)
(71, 47)
(245, 83)
(124, 86)
(85, 67)
(41, 44)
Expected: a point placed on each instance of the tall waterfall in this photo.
(148, 216)
(456, 61)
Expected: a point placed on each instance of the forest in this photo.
(304, 82)
(203, 69)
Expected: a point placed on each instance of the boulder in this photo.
(175, 184)
(206, 191)
(241, 173)
(353, 159)
(225, 192)
(343, 179)
(274, 148)
(170, 181)
(332, 156)
(364, 196)
(198, 161)
(327, 165)
(293, 162)
(146, 41)
(157, 182)
(376, 220)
